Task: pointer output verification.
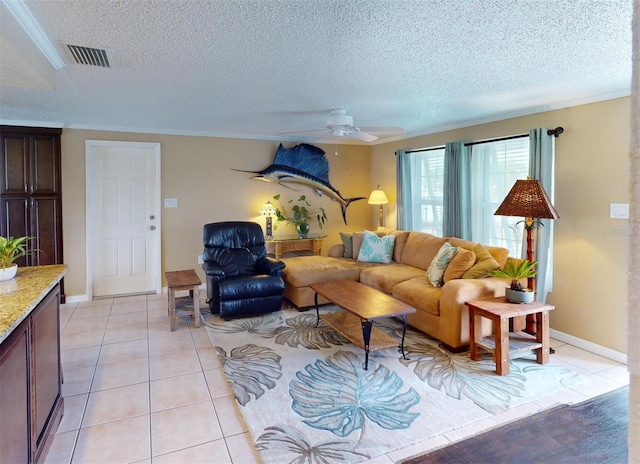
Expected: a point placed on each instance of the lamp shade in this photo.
(268, 210)
(378, 197)
(527, 199)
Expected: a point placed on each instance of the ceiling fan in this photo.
(340, 124)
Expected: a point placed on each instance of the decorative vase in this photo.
(516, 296)
(302, 229)
(8, 273)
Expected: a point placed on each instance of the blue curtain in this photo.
(403, 191)
(457, 191)
(541, 160)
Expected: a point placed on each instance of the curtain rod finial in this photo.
(555, 132)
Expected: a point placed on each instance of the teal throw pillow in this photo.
(347, 241)
(435, 271)
(376, 249)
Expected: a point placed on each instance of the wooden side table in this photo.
(504, 344)
(183, 280)
(280, 245)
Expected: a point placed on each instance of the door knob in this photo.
(152, 217)
(152, 227)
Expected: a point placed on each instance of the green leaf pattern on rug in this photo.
(333, 451)
(301, 331)
(249, 368)
(460, 377)
(337, 394)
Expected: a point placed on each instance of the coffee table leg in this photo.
(315, 300)
(366, 336)
(404, 332)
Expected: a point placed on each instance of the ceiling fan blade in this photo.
(311, 132)
(384, 129)
(356, 134)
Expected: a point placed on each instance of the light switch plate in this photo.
(170, 202)
(619, 210)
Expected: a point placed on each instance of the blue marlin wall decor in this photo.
(307, 165)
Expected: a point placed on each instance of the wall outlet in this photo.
(200, 260)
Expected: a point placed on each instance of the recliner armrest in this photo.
(213, 270)
(269, 265)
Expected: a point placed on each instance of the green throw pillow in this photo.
(435, 271)
(485, 263)
(376, 249)
(347, 241)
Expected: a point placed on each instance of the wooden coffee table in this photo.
(363, 305)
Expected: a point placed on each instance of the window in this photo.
(427, 179)
(495, 167)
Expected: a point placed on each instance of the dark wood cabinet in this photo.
(31, 402)
(30, 191)
(14, 396)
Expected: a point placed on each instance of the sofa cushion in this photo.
(484, 264)
(376, 249)
(347, 241)
(385, 277)
(302, 271)
(499, 254)
(462, 243)
(420, 294)
(401, 240)
(439, 264)
(420, 249)
(461, 263)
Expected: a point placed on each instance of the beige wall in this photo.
(198, 172)
(592, 171)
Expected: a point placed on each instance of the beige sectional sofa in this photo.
(440, 310)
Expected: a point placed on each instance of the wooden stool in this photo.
(503, 344)
(183, 280)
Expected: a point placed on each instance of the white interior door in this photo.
(123, 218)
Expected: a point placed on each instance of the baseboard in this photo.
(589, 346)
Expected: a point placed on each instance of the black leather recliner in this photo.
(241, 279)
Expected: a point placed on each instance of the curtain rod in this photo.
(426, 149)
(555, 132)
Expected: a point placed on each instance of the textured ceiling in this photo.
(260, 68)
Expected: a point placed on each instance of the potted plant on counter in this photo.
(10, 250)
(515, 270)
(301, 215)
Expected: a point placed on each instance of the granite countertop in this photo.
(20, 295)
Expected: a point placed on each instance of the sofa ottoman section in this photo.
(302, 271)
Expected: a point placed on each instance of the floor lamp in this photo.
(378, 197)
(528, 199)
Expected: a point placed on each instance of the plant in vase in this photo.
(301, 215)
(515, 270)
(12, 249)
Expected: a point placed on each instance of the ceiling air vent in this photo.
(89, 56)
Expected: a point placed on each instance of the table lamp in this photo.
(269, 211)
(378, 197)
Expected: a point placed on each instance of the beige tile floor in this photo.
(135, 392)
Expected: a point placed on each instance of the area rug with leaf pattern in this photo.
(306, 398)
